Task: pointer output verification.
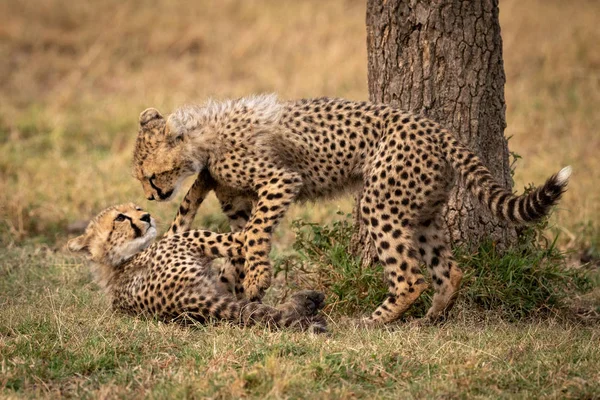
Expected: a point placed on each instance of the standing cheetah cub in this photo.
(171, 278)
(261, 154)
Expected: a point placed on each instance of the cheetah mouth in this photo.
(147, 238)
(151, 229)
(148, 234)
(169, 194)
(134, 246)
(165, 196)
(161, 195)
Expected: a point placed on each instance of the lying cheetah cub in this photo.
(262, 154)
(171, 279)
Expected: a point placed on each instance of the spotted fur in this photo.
(173, 279)
(262, 154)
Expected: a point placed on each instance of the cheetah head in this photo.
(116, 234)
(160, 158)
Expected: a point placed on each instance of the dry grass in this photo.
(75, 75)
(553, 92)
(73, 79)
(58, 339)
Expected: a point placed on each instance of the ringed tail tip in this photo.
(562, 178)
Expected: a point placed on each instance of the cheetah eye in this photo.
(120, 218)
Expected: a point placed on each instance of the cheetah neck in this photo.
(107, 275)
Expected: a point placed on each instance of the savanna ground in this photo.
(74, 77)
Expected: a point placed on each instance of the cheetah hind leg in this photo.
(445, 274)
(397, 253)
(300, 312)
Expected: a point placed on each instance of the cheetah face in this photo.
(159, 157)
(116, 234)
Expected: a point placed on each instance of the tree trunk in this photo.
(443, 59)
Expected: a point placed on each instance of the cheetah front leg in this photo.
(390, 226)
(231, 272)
(191, 203)
(213, 245)
(275, 193)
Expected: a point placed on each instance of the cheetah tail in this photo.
(526, 208)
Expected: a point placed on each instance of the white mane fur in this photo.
(266, 108)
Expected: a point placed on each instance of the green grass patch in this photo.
(529, 279)
(322, 260)
(524, 281)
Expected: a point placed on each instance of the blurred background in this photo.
(74, 77)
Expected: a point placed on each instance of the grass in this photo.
(74, 80)
(58, 339)
(72, 83)
(527, 281)
(321, 260)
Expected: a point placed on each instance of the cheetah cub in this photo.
(260, 154)
(171, 279)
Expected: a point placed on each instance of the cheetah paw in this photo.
(255, 291)
(308, 302)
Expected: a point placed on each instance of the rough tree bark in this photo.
(443, 59)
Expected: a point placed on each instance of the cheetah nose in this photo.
(145, 218)
(151, 197)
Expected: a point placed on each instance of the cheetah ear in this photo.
(174, 130)
(80, 244)
(149, 115)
